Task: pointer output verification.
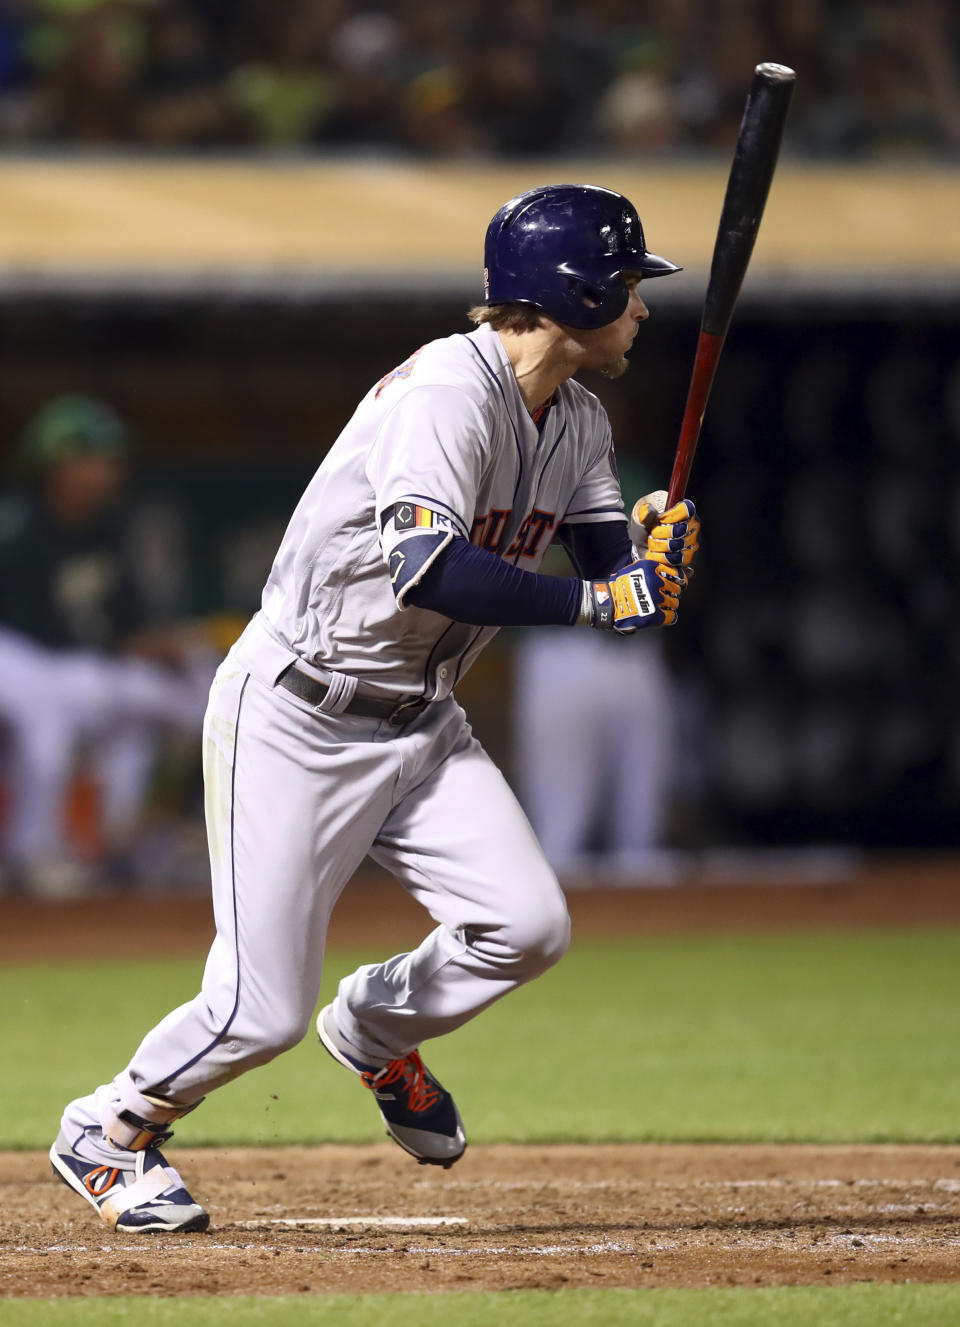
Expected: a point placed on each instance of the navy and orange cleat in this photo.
(134, 1192)
(420, 1114)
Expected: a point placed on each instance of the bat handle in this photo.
(701, 380)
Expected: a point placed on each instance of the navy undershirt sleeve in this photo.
(597, 549)
(473, 585)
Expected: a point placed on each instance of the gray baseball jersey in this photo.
(298, 795)
(442, 445)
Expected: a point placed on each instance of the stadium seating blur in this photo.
(537, 77)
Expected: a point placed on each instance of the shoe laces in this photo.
(99, 1181)
(421, 1093)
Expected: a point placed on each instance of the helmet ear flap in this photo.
(590, 304)
(582, 291)
(591, 294)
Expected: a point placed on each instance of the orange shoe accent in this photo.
(421, 1095)
(110, 1176)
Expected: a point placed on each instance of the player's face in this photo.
(80, 488)
(605, 348)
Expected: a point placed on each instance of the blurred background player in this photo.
(81, 671)
(596, 808)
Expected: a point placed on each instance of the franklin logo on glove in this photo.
(644, 604)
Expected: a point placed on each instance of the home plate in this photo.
(380, 1222)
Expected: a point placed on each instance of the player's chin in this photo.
(615, 368)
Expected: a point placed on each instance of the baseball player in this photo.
(332, 730)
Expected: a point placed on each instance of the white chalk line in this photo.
(195, 1251)
(537, 1250)
(944, 1186)
(337, 1222)
(631, 1186)
(880, 1241)
(853, 1213)
(182, 1252)
(202, 1251)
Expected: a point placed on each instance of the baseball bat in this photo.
(754, 161)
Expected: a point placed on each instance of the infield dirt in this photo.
(514, 1217)
(366, 1218)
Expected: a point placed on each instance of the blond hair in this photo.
(506, 317)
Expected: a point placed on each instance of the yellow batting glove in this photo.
(672, 536)
(672, 581)
(644, 594)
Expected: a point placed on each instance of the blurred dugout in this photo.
(84, 671)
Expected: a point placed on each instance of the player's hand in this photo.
(644, 594)
(670, 536)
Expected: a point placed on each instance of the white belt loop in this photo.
(342, 689)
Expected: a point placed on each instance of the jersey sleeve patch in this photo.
(411, 538)
(409, 559)
(409, 516)
(417, 513)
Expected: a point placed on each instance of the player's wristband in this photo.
(596, 606)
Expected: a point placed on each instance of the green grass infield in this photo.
(794, 1306)
(839, 1037)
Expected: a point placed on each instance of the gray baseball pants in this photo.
(294, 801)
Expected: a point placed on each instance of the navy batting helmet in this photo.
(562, 248)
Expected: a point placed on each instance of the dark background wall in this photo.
(817, 655)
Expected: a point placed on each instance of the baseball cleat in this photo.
(137, 1192)
(420, 1114)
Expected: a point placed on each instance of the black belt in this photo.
(370, 707)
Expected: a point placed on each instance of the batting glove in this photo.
(670, 536)
(644, 594)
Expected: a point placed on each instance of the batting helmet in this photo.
(562, 248)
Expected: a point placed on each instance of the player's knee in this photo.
(257, 1041)
(284, 1034)
(540, 939)
(286, 1038)
(555, 935)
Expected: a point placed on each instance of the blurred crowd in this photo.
(878, 79)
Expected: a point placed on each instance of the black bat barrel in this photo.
(754, 161)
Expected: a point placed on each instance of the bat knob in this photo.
(775, 73)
